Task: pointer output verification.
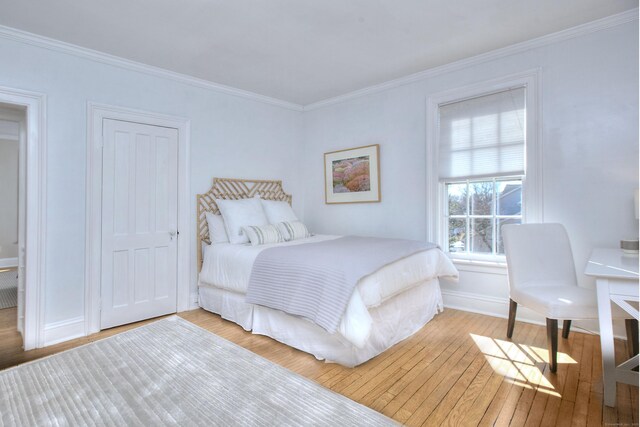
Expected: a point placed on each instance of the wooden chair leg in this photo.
(632, 336)
(566, 327)
(513, 307)
(552, 343)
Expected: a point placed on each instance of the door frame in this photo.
(96, 113)
(35, 211)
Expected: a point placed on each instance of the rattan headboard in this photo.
(232, 189)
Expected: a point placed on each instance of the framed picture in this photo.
(353, 175)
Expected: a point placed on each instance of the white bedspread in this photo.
(229, 266)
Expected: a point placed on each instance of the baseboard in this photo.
(499, 307)
(8, 262)
(64, 330)
(475, 303)
(488, 305)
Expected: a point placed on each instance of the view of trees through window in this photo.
(476, 211)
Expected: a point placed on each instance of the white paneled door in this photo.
(139, 222)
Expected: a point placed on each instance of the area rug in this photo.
(170, 372)
(8, 289)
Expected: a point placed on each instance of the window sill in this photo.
(480, 266)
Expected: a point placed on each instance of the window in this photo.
(476, 211)
(481, 157)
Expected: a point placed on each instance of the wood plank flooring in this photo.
(458, 370)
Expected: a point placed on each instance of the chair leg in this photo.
(513, 307)
(632, 336)
(566, 327)
(552, 343)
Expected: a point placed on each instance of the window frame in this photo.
(532, 208)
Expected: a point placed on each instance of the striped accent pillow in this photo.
(293, 230)
(262, 235)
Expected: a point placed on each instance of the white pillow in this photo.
(278, 211)
(241, 213)
(217, 232)
(263, 235)
(293, 230)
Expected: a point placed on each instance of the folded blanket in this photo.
(316, 280)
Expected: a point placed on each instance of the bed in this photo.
(385, 307)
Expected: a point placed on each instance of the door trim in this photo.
(36, 214)
(96, 113)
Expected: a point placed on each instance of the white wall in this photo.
(589, 99)
(590, 160)
(230, 137)
(8, 198)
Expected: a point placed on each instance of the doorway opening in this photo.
(12, 224)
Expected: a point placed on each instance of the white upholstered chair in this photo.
(542, 277)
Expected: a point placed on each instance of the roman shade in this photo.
(483, 136)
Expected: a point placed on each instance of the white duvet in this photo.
(229, 266)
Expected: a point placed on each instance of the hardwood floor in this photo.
(11, 352)
(458, 370)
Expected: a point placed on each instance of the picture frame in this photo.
(352, 175)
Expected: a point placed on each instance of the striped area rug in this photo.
(8, 289)
(169, 372)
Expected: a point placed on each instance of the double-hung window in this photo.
(481, 164)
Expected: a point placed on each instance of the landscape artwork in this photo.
(352, 175)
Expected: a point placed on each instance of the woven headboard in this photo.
(232, 189)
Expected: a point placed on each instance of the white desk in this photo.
(617, 278)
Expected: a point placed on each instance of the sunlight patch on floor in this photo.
(520, 364)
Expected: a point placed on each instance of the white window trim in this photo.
(532, 182)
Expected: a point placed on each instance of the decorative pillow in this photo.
(241, 213)
(217, 232)
(263, 235)
(293, 230)
(278, 211)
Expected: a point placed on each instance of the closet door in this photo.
(139, 222)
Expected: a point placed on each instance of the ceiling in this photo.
(301, 51)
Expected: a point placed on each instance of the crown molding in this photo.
(20, 36)
(570, 33)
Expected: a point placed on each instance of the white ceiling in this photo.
(301, 51)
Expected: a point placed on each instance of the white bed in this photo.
(385, 308)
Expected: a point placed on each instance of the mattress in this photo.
(228, 267)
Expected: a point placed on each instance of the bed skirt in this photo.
(396, 319)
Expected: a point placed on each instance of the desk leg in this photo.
(606, 342)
